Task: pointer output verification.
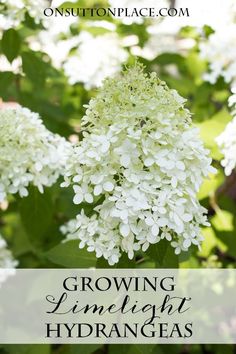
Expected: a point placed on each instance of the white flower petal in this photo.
(124, 230)
(88, 197)
(108, 186)
(125, 160)
(155, 230)
(78, 198)
(97, 190)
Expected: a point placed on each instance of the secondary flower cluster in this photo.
(7, 263)
(29, 153)
(109, 54)
(227, 140)
(13, 11)
(55, 39)
(219, 50)
(141, 162)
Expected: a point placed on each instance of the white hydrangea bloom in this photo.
(141, 162)
(56, 39)
(29, 153)
(7, 263)
(220, 51)
(95, 59)
(220, 18)
(160, 43)
(227, 140)
(13, 11)
(57, 49)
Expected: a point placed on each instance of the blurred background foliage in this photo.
(30, 76)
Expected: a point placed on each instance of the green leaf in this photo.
(36, 212)
(96, 31)
(224, 225)
(222, 348)
(170, 58)
(211, 240)
(133, 349)
(69, 255)
(211, 184)
(208, 30)
(6, 79)
(223, 220)
(34, 68)
(119, 348)
(195, 66)
(163, 255)
(84, 348)
(11, 44)
(191, 262)
(28, 349)
(141, 349)
(211, 128)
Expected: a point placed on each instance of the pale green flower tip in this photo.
(138, 97)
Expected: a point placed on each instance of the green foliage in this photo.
(31, 225)
(27, 349)
(11, 43)
(162, 254)
(36, 212)
(70, 256)
(211, 128)
(84, 348)
(6, 80)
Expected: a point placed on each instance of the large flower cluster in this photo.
(141, 162)
(75, 53)
(7, 263)
(13, 11)
(220, 51)
(29, 153)
(95, 59)
(227, 140)
(55, 39)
